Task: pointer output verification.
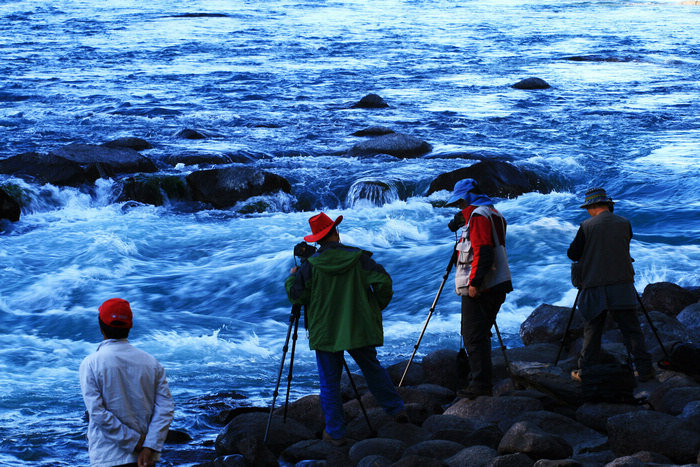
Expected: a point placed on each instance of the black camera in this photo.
(456, 222)
(303, 250)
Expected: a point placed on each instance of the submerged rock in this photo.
(495, 178)
(223, 188)
(9, 207)
(531, 83)
(393, 144)
(371, 101)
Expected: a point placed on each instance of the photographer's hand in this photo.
(293, 270)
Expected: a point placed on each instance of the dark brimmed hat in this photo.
(116, 313)
(321, 224)
(596, 196)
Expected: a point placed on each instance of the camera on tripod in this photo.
(303, 251)
(456, 222)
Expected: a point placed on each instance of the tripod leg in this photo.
(505, 357)
(279, 376)
(453, 260)
(566, 331)
(357, 393)
(651, 325)
(291, 364)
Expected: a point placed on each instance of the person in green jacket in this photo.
(344, 291)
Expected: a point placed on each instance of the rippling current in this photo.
(277, 79)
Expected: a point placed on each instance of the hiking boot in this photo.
(473, 392)
(402, 417)
(333, 441)
(576, 375)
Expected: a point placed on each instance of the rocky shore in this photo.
(536, 417)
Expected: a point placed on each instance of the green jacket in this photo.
(344, 291)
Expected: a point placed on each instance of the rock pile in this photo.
(536, 416)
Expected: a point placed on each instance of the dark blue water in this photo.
(278, 78)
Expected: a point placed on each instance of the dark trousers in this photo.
(632, 336)
(330, 370)
(478, 316)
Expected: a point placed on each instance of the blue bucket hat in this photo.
(462, 190)
(596, 196)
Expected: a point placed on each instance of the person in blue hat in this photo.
(602, 249)
(482, 278)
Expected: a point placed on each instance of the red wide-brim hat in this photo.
(321, 224)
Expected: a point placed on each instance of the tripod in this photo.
(644, 310)
(453, 261)
(294, 324)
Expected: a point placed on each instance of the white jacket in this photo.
(126, 394)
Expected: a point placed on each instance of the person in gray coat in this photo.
(602, 248)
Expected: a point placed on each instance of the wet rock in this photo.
(414, 375)
(667, 298)
(511, 460)
(690, 319)
(435, 449)
(394, 144)
(498, 410)
(76, 164)
(440, 367)
(675, 400)
(189, 133)
(371, 101)
(129, 142)
(155, 189)
(103, 161)
(653, 431)
(245, 435)
(392, 449)
(495, 178)
(577, 435)
(529, 439)
(547, 323)
(9, 207)
(374, 131)
(307, 411)
(531, 83)
(223, 188)
(596, 416)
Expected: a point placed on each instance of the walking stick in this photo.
(357, 393)
(651, 325)
(453, 260)
(293, 321)
(566, 331)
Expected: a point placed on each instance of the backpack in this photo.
(684, 358)
(608, 382)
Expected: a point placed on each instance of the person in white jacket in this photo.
(126, 395)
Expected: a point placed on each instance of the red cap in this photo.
(320, 225)
(116, 313)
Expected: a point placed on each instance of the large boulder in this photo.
(245, 435)
(45, 168)
(394, 144)
(104, 161)
(547, 323)
(653, 431)
(667, 298)
(223, 188)
(495, 178)
(76, 164)
(131, 142)
(440, 367)
(528, 438)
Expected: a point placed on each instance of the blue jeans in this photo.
(330, 369)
